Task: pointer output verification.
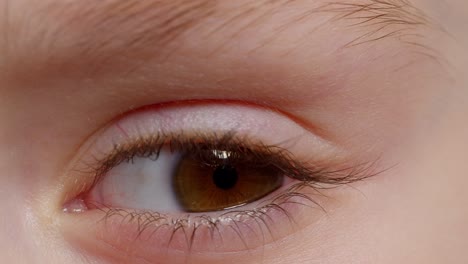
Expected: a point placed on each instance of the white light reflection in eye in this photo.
(222, 154)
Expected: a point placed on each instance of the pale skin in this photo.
(384, 79)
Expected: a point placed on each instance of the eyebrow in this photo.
(388, 19)
(116, 27)
(155, 21)
(379, 15)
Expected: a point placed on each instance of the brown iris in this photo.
(220, 181)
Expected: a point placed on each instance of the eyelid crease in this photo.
(306, 124)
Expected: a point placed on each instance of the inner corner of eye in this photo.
(75, 205)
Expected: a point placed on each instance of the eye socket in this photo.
(223, 183)
(222, 178)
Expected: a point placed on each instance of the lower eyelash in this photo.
(252, 227)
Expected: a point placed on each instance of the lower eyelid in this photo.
(155, 236)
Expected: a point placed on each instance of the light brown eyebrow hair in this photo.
(155, 22)
(122, 26)
(382, 19)
(400, 15)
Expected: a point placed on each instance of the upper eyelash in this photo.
(149, 146)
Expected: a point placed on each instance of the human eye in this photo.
(195, 180)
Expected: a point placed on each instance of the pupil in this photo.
(225, 177)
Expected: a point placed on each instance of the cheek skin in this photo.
(124, 248)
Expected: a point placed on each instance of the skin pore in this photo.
(380, 82)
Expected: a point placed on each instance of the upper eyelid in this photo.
(193, 116)
(118, 127)
(132, 136)
(171, 119)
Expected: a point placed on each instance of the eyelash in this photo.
(150, 147)
(309, 176)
